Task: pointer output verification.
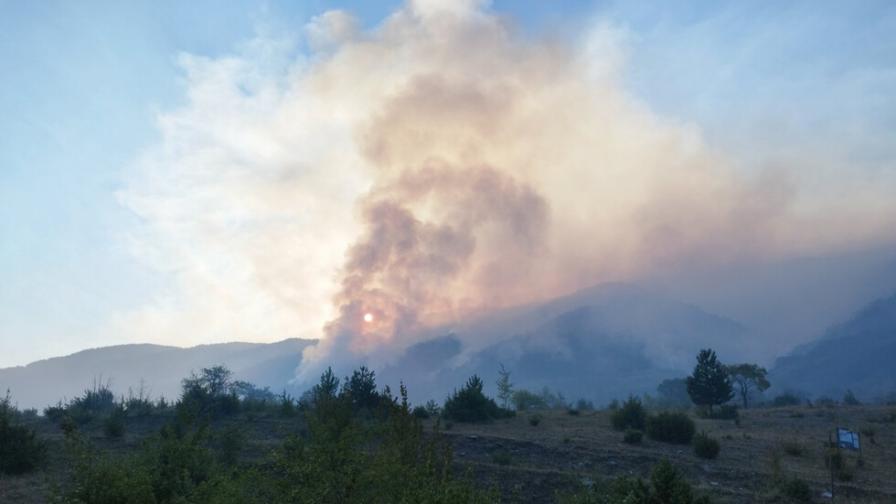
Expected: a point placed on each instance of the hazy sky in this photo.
(142, 190)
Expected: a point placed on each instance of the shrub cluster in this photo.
(469, 404)
(671, 427)
(631, 415)
(344, 455)
(786, 399)
(706, 446)
(20, 449)
(666, 485)
(632, 436)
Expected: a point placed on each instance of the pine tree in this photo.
(505, 387)
(710, 384)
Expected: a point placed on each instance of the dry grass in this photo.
(532, 463)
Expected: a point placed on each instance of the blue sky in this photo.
(83, 82)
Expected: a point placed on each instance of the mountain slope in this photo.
(159, 368)
(859, 354)
(599, 343)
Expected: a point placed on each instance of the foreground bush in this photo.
(670, 427)
(666, 486)
(469, 404)
(343, 456)
(20, 450)
(631, 415)
(705, 446)
(632, 436)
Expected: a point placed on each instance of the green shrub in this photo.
(432, 408)
(420, 412)
(584, 405)
(231, 442)
(523, 400)
(20, 449)
(796, 490)
(114, 424)
(55, 413)
(670, 427)
(706, 446)
(786, 399)
(666, 486)
(469, 404)
(534, 420)
(287, 405)
(632, 436)
(630, 416)
(850, 399)
(572, 411)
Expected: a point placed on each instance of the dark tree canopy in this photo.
(709, 385)
(748, 377)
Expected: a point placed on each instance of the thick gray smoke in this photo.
(434, 167)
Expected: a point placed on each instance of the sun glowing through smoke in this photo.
(368, 317)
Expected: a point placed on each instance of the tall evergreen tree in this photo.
(505, 387)
(710, 384)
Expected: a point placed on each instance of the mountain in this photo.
(159, 368)
(858, 355)
(599, 343)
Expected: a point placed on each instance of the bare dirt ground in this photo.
(563, 452)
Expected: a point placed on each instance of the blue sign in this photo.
(847, 439)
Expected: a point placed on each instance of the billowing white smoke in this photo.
(436, 166)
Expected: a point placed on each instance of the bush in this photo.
(630, 416)
(786, 399)
(20, 449)
(572, 411)
(793, 448)
(534, 420)
(287, 405)
(55, 413)
(584, 405)
(850, 399)
(523, 400)
(420, 412)
(469, 404)
(705, 446)
(825, 401)
(666, 486)
(632, 436)
(796, 489)
(114, 425)
(671, 427)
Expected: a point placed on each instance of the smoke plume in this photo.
(437, 166)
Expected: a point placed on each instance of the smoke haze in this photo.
(439, 166)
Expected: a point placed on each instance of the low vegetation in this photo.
(666, 485)
(631, 415)
(671, 427)
(470, 404)
(706, 446)
(20, 450)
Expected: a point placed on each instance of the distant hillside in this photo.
(161, 369)
(599, 343)
(859, 354)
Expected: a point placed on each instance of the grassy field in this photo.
(563, 452)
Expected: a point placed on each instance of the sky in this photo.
(195, 172)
